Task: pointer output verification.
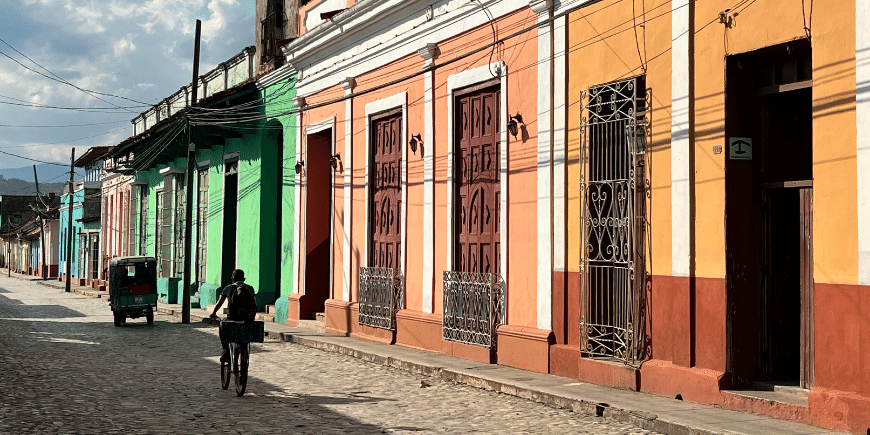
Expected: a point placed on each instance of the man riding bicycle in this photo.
(242, 304)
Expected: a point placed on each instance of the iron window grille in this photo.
(614, 188)
(381, 295)
(178, 227)
(474, 307)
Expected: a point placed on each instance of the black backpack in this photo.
(243, 303)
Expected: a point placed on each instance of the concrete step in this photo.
(270, 309)
(319, 317)
(265, 317)
(313, 325)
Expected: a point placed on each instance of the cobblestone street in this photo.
(67, 369)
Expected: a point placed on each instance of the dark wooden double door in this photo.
(476, 180)
(386, 180)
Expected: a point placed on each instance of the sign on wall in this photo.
(740, 148)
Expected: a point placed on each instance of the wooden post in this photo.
(188, 211)
(69, 233)
(43, 270)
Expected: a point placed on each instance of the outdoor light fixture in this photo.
(513, 124)
(416, 140)
(299, 166)
(335, 160)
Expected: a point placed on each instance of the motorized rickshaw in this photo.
(133, 288)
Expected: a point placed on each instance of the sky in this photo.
(137, 49)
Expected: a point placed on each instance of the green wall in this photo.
(267, 155)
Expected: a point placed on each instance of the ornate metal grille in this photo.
(613, 188)
(381, 295)
(474, 306)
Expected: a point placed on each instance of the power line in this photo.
(59, 78)
(63, 126)
(33, 160)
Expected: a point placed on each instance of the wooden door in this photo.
(477, 188)
(386, 198)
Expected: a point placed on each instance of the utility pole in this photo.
(191, 166)
(69, 225)
(43, 270)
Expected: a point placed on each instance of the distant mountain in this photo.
(20, 187)
(53, 173)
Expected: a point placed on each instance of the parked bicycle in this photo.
(239, 336)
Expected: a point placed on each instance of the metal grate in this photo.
(614, 189)
(381, 295)
(178, 227)
(474, 306)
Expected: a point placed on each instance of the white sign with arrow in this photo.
(740, 148)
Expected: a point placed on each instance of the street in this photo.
(68, 370)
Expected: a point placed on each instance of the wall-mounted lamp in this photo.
(416, 140)
(334, 161)
(513, 124)
(299, 166)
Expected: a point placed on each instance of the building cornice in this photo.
(283, 73)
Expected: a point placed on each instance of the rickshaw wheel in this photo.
(117, 318)
(149, 316)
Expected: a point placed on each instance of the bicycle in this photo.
(236, 366)
(239, 336)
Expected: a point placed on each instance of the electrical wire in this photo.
(59, 78)
(64, 126)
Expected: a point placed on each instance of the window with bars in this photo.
(614, 128)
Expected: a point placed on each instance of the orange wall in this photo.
(593, 61)
(520, 56)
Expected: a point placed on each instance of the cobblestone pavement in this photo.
(67, 370)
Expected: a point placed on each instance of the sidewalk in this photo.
(657, 413)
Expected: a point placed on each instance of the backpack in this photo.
(243, 303)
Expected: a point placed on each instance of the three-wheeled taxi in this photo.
(133, 288)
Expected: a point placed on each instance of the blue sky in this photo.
(139, 49)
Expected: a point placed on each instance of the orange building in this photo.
(663, 196)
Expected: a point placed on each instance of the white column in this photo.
(348, 84)
(560, 141)
(862, 113)
(544, 165)
(298, 233)
(680, 165)
(429, 53)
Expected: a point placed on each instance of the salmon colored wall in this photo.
(413, 249)
(593, 61)
(308, 117)
(520, 57)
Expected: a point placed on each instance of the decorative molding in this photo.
(541, 7)
(429, 53)
(348, 83)
(460, 80)
(167, 170)
(317, 127)
(374, 107)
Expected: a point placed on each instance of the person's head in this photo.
(238, 275)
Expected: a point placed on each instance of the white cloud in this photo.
(124, 46)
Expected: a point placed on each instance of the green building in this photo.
(243, 131)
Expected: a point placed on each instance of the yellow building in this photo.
(716, 203)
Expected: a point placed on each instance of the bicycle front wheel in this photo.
(244, 351)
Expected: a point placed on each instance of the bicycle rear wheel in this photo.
(227, 370)
(244, 351)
